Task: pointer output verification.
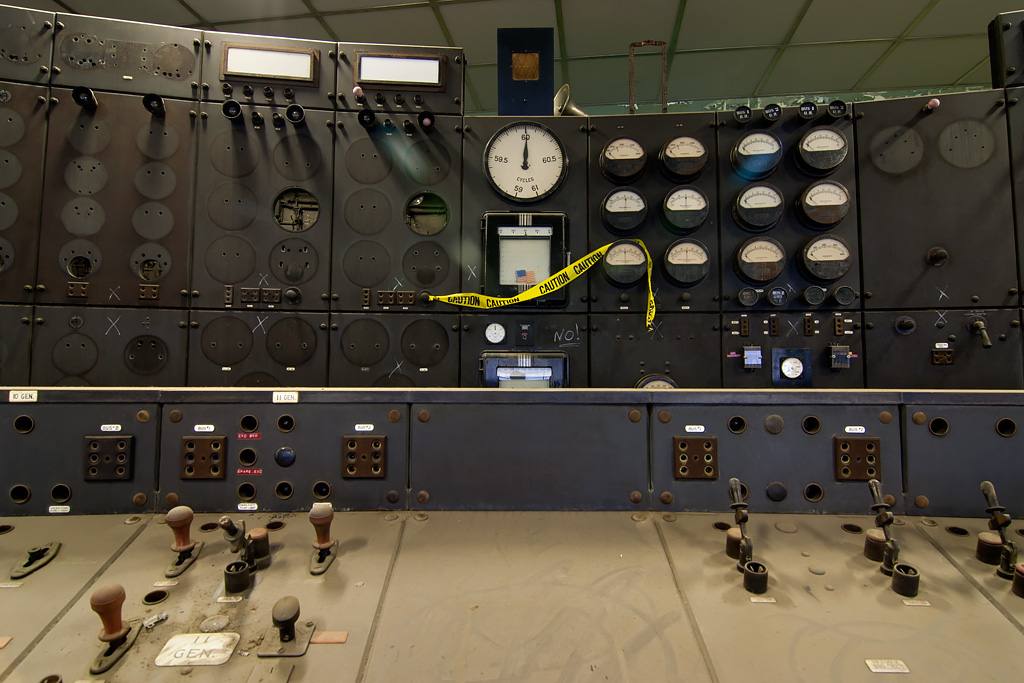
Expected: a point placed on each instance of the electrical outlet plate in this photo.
(857, 458)
(364, 456)
(109, 458)
(695, 457)
(203, 457)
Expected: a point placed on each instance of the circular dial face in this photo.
(625, 263)
(760, 259)
(814, 295)
(777, 296)
(826, 258)
(495, 333)
(656, 381)
(747, 296)
(837, 109)
(758, 206)
(792, 368)
(844, 295)
(772, 112)
(825, 203)
(685, 208)
(683, 157)
(623, 210)
(525, 162)
(686, 262)
(623, 159)
(822, 149)
(756, 154)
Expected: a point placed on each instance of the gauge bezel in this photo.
(606, 214)
(701, 160)
(498, 189)
(667, 267)
(623, 178)
(780, 209)
(817, 223)
(756, 174)
(705, 212)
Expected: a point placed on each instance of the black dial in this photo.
(808, 110)
(777, 296)
(623, 159)
(760, 260)
(814, 295)
(742, 113)
(623, 210)
(822, 150)
(837, 109)
(683, 157)
(685, 208)
(772, 112)
(625, 263)
(826, 258)
(825, 203)
(758, 206)
(686, 262)
(756, 155)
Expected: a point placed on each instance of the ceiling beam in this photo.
(896, 43)
(673, 42)
(560, 30)
(320, 20)
(782, 48)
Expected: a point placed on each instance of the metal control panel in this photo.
(26, 44)
(407, 79)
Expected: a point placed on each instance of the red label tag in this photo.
(244, 471)
(246, 436)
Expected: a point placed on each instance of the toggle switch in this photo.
(234, 534)
(179, 519)
(257, 119)
(289, 637)
(998, 522)
(85, 98)
(154, 104)
(325, 549)
(906, 579)
(977, 326)
(106, 601)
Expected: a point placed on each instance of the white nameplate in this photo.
(887, 666)
(203, 428)
(364, 428)
(765, 600)
(59, 509)
(198, 649)
(22, 396)
(110, 428)
(695, 429)
(286, 396)
(248, 507)
(855, 429)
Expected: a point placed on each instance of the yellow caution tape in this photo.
(551, 284)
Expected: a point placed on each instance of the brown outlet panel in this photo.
(203, 457)
(857, 458)
(109, 457)
(77, 290)
(364, 456)
(695, 457)
(149, 291)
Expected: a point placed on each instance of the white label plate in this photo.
(198, 649)
(286, 396)
(364, 428)
(917, 603)
(887, 666)
(110, 428)
(22, 396)
(203, 428)
(59, 509)
(856, 429)
(694, 429)
(248, 507)
(942, 345)
(10, 584)
(770, 601)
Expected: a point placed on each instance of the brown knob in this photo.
(180, 521)
(106, 601)
(733, 538)
(320, 516)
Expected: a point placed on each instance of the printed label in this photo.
(22, 396)
(856, 429)
(59, 509)
(110, 428)
(695, 429)
(248, 507)
(887, 666)
(203, 428)
(364, 428)
(286, 396)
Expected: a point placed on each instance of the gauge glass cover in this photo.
(525, 162)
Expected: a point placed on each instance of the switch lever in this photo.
(999, 521)
(289, 637)
(755, 574)
(180, 520)
(325, 549)
(977, 326)
(906, 579)
(233, 534)
(118, 636)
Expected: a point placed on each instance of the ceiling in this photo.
(720, 51)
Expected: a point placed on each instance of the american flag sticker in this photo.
(526, 277)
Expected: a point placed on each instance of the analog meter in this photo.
(756, 154)
(683, 157)
(685, 208)
(825, 203)
(758, 207)
(792, 367)
(525, 162)
(760, 260)
(822, 149)
(686, 262)
(625, 263)
(826, 258)
(494, 333)
(623, 210)
(623, 159)
(656, 381)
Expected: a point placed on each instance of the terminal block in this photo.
(203, 457)
(695, 457)
(109, 458)
(857, 458)
(364, 456)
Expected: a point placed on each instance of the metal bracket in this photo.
(114, 651)
(272, 646)
(322, 559)
(664, 73)
(184, 560)
(34, 559)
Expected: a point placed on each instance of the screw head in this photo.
(635, 497)
(423, 497)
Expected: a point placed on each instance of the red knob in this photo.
(106, 601)
(180, 520)
(320, 516)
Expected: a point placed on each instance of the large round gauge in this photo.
(623, 210)
(756, 154)
(525, 162)
(826, 258)
(758, 206)
(791, 367)
(825, 203)
(683, 157)
(760, 260)
(686, 262)
(685, 208)
(822, 149)
(625, 263)
(656, 381)
(495, 333)
(623, 159)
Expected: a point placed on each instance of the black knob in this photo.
(257, 118)
(289, 94)
(905, 324)
(285, 456)
(268, 92)
(154, 104)
(408, 127)
(367, 119)
(417, 99)
(379, 97)
(231, 109)
(84, 98)
(399, 98)
(937, 256)
(226, 88)
(278, 120)
(284, 615)
(292, 295)
(295, 113)
(247, 90)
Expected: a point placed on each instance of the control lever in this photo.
(999, 522)
(106, 601)
(325, 549)
(180, 520)
(906, 579)
(755, 574)
(977, 326)
(233, 534)
(287, 638)
(36, 558)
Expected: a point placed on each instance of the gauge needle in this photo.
(526, 154)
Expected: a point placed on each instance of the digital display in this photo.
(255, 62)
(399, 70)
(524, 255)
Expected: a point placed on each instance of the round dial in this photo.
(623, 210)
(756, 154)
(656, 381)
(623, 159)
(525, 162)
(826, 258)
(685, 208)
(837, 109)
(814, 295)
(772, 112)
(825, 203)
(777, 296)
(686, 262)
(844, 295)
(683, 157)
(747, 296)
(792, 368)
(625, 263)
(822, 149)
(758, 206)
(494, 333)
(760, 259)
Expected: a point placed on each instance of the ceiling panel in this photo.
(712, 23)
(303, 27)
(474, 25)
(335, 5)
(607, 27)
(938, 61)
(979, 75)
(606, 80)
(485, 82)
(862, 20)
(407, 26)
(238, 10)
(952, 17)
(822, 68)
(711, 75)
(133, 10)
